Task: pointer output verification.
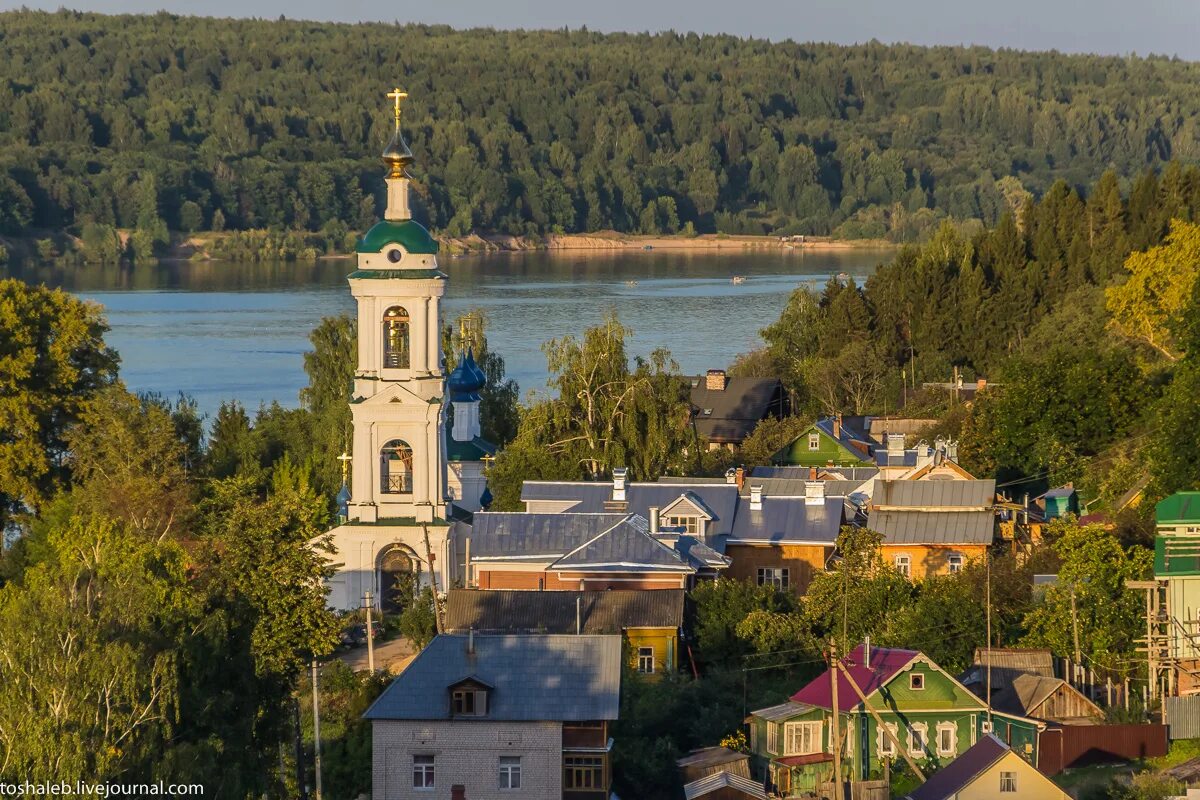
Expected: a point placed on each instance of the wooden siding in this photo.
(665, 643)
(1066, 703)
(830, 452)
(927, 560)
(1029, 782)
(802, 561)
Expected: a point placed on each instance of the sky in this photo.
(1114, 27)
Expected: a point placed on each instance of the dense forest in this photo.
(161, 123)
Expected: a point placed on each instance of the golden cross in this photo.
(345, 459)
(397, 96)
(466, 328)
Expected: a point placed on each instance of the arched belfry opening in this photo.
(399, 577)
(396, 468)
(396, 338)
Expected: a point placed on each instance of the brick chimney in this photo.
(458, 792)
(812, 473)
(837, 425)
(715, 381)
(739, 477)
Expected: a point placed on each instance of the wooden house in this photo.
(933, 527)
(725, 410)
(988, 769)
(932, 716)
(830, 441)
(1023, 683)
(651, 622)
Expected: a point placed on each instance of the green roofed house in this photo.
(830, 441)
(1177, 567)
(933, 716)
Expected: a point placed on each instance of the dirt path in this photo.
(393, 655)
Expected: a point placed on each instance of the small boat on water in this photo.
(648, 247)
(738, 279)
(631, 283)
(843, 276)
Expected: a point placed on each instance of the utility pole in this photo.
(987, 653)
(370, 609)
(316, 732)
(1152, 665)
(301, 782)
(835, 744)
(1075, 636)
(879, 721)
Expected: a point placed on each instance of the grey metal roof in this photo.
(782, 711)
(607, 612)
(567, 678)
(794, 487)
(710, 757)
(933, 527)
(700, 555)
(906, 459)
(788, 519)
(933, 494)
(856, 474)
(719, 498)
(503, 534)
(724, 782)
(1035, 661)
(626, 544)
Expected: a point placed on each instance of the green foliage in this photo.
(1157, 289)
(330, 367)
(645, 138)
(418, 620)
(498, 408)
(53, 360)
(735, 618)
(345, 735)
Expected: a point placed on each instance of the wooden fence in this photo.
(859, 790)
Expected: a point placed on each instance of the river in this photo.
(221, 331)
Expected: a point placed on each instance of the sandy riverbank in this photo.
(607, 241)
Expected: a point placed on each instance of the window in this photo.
(904, 565)
(510, 772)
(396, 468)
(395, 338)
(583, 772)
(884, 743)
(947, 738)
(422, 772)
(468, 702)
(772, 737)
(688, 524)
(773, 576)
(814, 441)
(645, 662)
(918, 739)
(955, 563)
(1008, 782)
(801, 738)
(916, 681)
(753, 737)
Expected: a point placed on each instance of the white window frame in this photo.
(814, 441)
(689, 522)
(914, 730)
(915, 678)
(773, 738)
(951, 729)
(753, 737)
(645, 660)
(1008, 782)
(885, 746)
(802, 738)
(510, 773)
(903, 563)
(955, 563)
(424, 773)
(779, 577)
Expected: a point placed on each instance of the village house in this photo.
(932, 716)
(933, 527)
(988, 769)
(1023, 683)
(579, 551)
(726, 409)
(911, 429)
(1177, 571)
(650, 621)
(718, 773)
(499, 716)
(835, 441)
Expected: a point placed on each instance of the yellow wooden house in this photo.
(988, 770)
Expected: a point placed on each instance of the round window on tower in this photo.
(395, 255)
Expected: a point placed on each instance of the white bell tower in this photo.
(397, 407)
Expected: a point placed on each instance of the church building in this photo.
(409, 476)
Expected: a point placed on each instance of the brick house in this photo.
(500, 716)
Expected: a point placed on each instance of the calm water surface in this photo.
(220, 331)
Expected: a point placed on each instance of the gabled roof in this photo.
(592, 496)
(1036, 661)
(855, 440)
(934, 527)
(885, 664)
(783, 520)
(730, 415)
(854, 474)
(507, 535)
(554, 612)
(700, 555)
(784, 711)
(535, 678)
(723, 781)
(962, 771)
(711, 757)
(927, 495)
(1178, 508)
(626, 545)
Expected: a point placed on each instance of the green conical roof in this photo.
(409, 234)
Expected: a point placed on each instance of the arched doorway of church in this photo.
(399, 578)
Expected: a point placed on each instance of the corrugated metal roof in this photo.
(627, 543)
(719, 498)
(1035, 661)
(885, 663)
(607, 612)
(934, 527)
(722, 781)
(567, 678)
(857, 474)
(783, 710)
(933, 494)
(710, 757)
(503, 534)
(788, 519)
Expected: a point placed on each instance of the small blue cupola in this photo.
(466, 380)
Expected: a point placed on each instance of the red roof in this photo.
(885, 663)
(800, 761)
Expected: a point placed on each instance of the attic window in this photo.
(468, 702)
(916, 681)
(814, 441)
(708, 412)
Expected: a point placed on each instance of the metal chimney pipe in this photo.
(578, 616)
(471, 641)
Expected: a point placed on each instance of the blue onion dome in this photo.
(466, 380)
(343, 501)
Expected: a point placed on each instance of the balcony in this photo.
(397, 484)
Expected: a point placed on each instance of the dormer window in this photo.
(469, 699)
(814, 441)
(689, 525)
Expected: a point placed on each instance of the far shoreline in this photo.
(611, 241)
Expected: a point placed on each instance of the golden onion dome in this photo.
(396, 155)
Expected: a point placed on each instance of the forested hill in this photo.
(156, 122)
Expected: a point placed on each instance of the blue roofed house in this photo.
(500, 716)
